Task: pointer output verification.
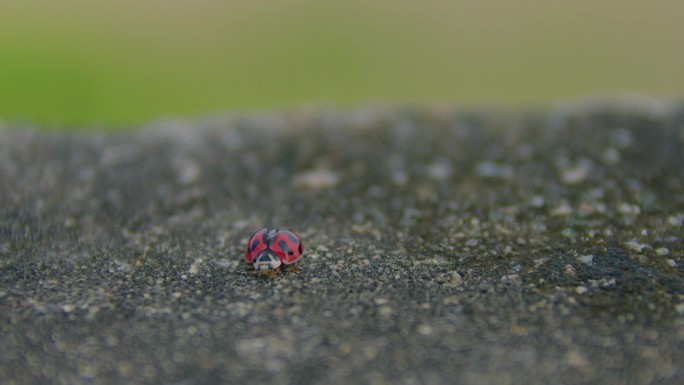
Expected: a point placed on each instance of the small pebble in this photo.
(439, 170)
(676, 220)
(381, 301)
(621, 138)
(561, 210)
(400, 178)
(662, 251)
(671, 263)
(576, 360)
(581, 290)
(611, 156)
(628, 209)
(510, 278)
(456, 279)
(537, 201)
(578, 173)
(188, 172)
(636, 246)
(472, 242)
(194, 267)
(425, 330)
(226, 263)
(488, 169)
(587, 259)
(569, 233)
(316, 179)
(680, 308)
(569, 270)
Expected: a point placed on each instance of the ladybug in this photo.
(270, 250)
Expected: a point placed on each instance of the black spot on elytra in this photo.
(254, 245)
(283, 245)
(293, 238)
(271, 235)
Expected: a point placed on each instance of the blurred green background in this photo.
(117, 63)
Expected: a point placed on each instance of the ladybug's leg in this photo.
(293, 268)
(272, 273)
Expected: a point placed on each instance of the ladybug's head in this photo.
(267, 260)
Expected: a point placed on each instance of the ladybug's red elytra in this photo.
(270, 250)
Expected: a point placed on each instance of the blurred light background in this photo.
(118, 63)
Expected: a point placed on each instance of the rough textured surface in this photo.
(442, 247)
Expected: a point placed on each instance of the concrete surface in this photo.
(442, 247)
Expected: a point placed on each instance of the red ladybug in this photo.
(269, 250)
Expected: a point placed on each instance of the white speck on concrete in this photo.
(452, 279)
(122, 266)
(510, 278)
(576, 359)
(569, 270)
(621, 138)
(676, 220)
(248, 347)
(611, 156)
(400, 178)
(439, 170)
(569, 233)
(636, 246)
(188, 172)
(577, 173)
(662, 251)
(680, 308)
(194, 267)
(587, 259)
(561, 210)
(385, 311)
(537, 201)
(629, 209)
(488, 169)
(316, 179)
(425, 330)
(226, 263)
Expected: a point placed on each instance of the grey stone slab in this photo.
(442, 246)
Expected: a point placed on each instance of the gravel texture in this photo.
(442, 246)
